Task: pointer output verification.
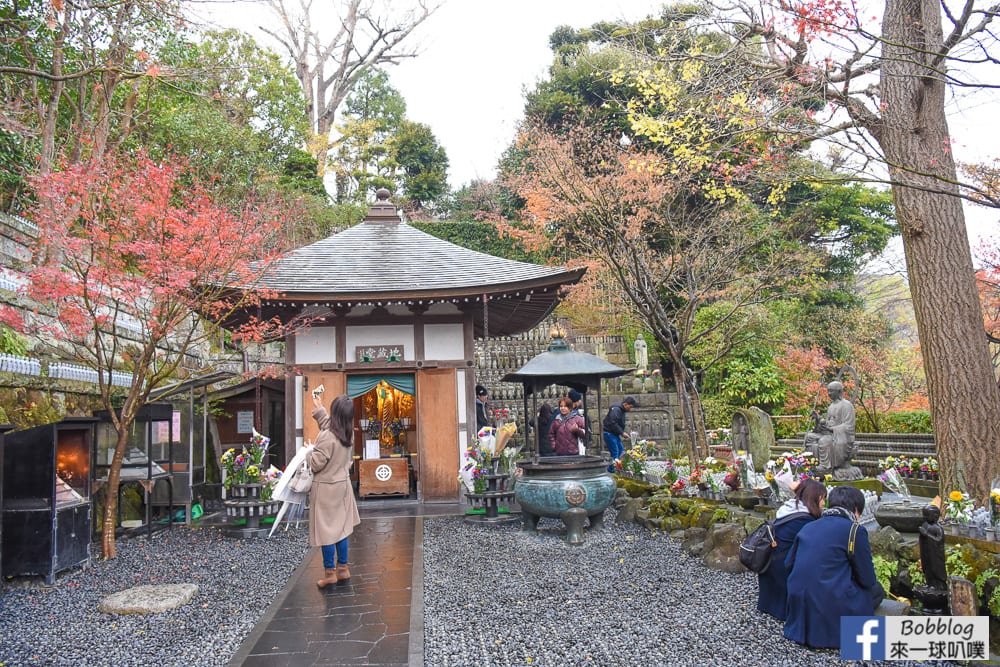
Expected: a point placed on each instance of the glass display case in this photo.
(148, 457)
(46, 498)
(189, 419)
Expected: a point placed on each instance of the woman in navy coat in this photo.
(824, 582)
(804, 508)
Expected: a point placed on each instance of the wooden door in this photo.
(335, 384)
(437, 428)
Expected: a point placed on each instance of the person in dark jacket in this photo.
(543, 420)
(482, 395)
(826, 582)
(792, 516)
(614, 428)
(566, 428)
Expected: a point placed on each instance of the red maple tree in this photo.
(131, 274)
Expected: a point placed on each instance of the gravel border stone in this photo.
(60, 625)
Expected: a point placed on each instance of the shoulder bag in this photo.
(302, 478)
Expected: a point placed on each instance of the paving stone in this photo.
(150, 599)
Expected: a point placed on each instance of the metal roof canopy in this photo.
(193, 382)
(563, 366)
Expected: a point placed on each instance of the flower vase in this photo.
(244, 503)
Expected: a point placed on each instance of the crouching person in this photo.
(828, 576)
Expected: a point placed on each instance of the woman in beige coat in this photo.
(333, 512)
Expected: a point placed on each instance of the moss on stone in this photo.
(635, 488)
(660, 508)
(719, 516)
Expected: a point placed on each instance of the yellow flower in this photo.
(955, 496)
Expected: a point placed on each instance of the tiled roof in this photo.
(391, 259)
(384, 260)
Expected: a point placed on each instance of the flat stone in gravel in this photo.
(148, 599)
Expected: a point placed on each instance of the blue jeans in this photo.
(614, 443)
(334, 554)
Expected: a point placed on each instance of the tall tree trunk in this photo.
(964, 398)
(110, 523)
(690, 405)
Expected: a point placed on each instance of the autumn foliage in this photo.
(665, 245)
(134, 264)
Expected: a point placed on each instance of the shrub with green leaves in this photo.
(885, 570)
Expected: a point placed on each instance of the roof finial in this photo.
(382, 210)
(557, 338)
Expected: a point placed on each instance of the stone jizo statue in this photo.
(832, 437)
(641, 354)
(932, 558)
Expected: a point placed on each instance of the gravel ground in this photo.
(628, 596)
(237, 580)
(492, 596)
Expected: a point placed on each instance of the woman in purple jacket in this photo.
(566, 429)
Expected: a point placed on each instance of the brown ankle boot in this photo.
(329, 578)
(343, 573)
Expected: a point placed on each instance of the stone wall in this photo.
(657, 418)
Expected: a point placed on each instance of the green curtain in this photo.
(358, 385)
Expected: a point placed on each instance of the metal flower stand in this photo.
(244, 503)
(497, 493)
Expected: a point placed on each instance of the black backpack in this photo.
(757, 548)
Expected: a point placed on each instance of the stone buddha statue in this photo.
(832, 437)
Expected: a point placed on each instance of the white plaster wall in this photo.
(316, 345)
(444, 342)
(460, 392)
(397, 334)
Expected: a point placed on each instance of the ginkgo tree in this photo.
(126, 242)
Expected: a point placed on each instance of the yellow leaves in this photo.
(777, 194)
(692, 70)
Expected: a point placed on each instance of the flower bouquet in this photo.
(894, 482)
(995, 504)
(721, 437)
(247, 466)
(503, 436)
(478, 463)
(374, 429)
(960, 507)
(633, 461)
(487, 438)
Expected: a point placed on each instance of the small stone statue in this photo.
(932, 559)
(934, 594)
(832, 437)
(641, 353)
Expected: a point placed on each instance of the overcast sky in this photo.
(477, 59)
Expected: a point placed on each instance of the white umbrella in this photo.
(292, 502)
